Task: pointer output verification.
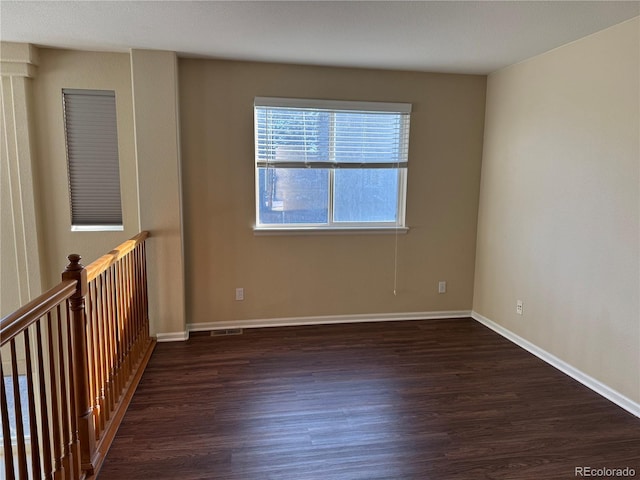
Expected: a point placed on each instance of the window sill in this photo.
(258, 231)
(97, 228)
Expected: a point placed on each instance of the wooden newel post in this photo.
(84, 407)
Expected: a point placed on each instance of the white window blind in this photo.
(293, 133)
(92, 155)
(331, 164)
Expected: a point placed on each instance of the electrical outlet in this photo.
(442, 287)
(519, 307)
(240, 293)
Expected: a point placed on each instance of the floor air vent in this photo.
(226, 331)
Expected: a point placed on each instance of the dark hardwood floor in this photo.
(437, 399)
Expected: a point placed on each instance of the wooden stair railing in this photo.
(73, 358)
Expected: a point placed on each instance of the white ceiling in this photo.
(445, 36)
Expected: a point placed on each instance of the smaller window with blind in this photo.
(92, 159)
(330, 164)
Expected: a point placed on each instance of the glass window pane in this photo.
(293, 195)
(366, 195)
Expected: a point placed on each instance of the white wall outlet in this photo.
(519, 307)
(240, 293)
(442, 287)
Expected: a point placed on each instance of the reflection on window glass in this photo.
(367, 195)
(293, 195)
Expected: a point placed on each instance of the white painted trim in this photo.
(264, 231)
(326, 319)
(404, 108)
(172, 337)
(97, 228)
(588, 381)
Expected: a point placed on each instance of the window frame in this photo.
(332, 226)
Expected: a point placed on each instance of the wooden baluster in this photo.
(116, 332)
(145, 294)
(6, 431)
(90, 362)
(126, 300)
(44, 411)
(106, 344)
(113, 355)
(143, 287)
(130, 312)
(113, 312)
(94, 295)
(143, 291)
(86, 428)
(128, 306)
(102, 360)
(74, 444)
(33, 419)
(122, 340)
(55, 412)
(135, 302)
(94, 363)
(17, 408)
(122, 317)
(113, 324)
(138, 296)
(64, 398)
(132, 308)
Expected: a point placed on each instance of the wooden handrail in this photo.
(14, 323)
(100, 265)
(85, 344)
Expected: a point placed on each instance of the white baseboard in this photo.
(326, 319)
(588, 381)
(172, 337)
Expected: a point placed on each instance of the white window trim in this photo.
(332, 227)
(329, 230)
(332, 104)
(97, 228)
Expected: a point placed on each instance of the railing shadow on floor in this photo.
(70, 362)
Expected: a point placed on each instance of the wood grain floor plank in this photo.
(436, 399)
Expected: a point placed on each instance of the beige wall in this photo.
(292, 276)
(559, 206)
(154, 77)
(60, 69)
(20, 279)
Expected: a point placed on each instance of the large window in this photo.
(92, 155)
(330, 165)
